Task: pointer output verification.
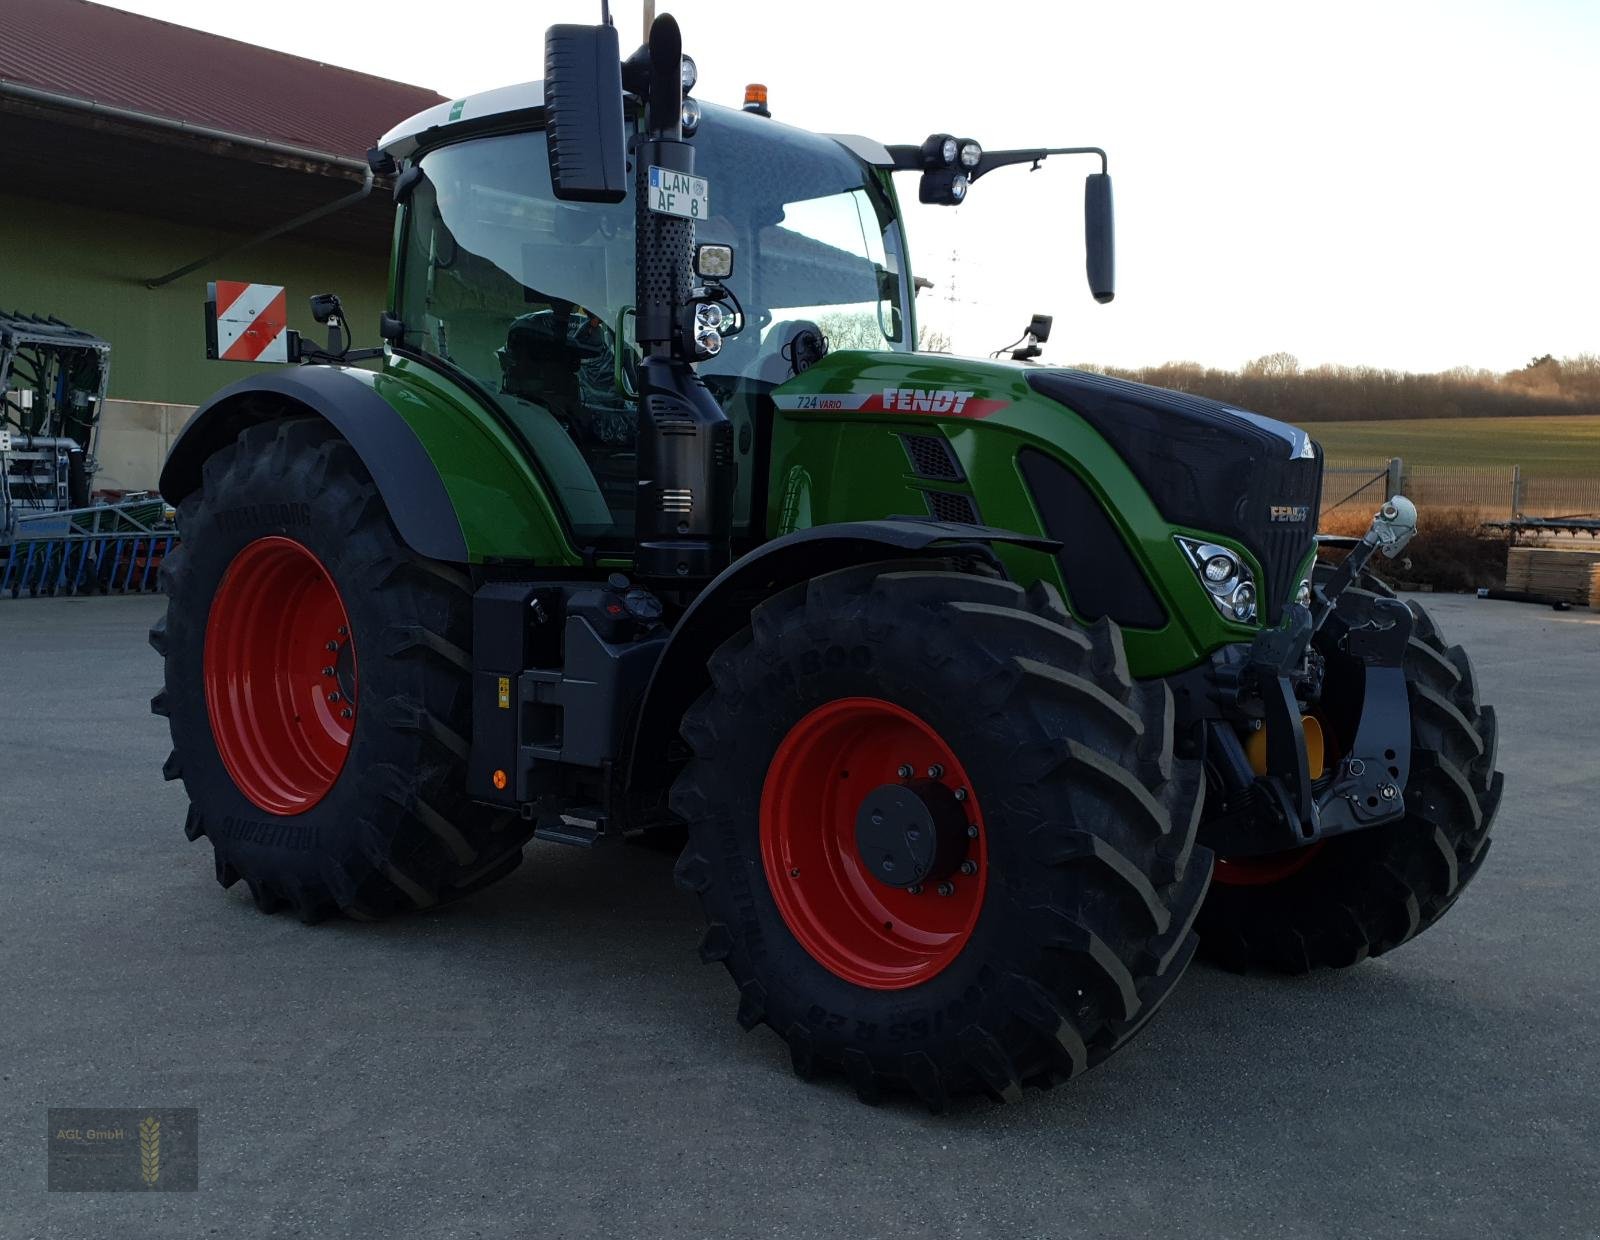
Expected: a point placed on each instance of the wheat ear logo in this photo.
(150, 1150)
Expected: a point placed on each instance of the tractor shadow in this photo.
(602, 942)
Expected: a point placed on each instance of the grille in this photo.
(932, 457)
(946, 506)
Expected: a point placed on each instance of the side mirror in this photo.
(713, 261)
(1098, 237)
(583, 114)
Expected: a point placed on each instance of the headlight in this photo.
(947, 150)
(958, 189)
(690, 117)
(689, 74)
(971, 153)
(1225, 577)
(708, 315)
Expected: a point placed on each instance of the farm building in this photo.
(143, 159)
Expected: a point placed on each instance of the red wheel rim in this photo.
(861, 929)
(280, 676)
(1259, 871)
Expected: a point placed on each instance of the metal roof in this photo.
(91, 52)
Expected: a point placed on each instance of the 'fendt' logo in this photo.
(1294, 513)
(917, 400)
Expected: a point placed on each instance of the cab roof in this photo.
(525, 101)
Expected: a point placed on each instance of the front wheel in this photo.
(317, 686)
(940, 838)
(1359, 895)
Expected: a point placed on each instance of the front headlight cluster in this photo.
(1225, 576)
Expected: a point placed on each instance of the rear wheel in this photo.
(1360, 895)
(939, 835)
(317, 688)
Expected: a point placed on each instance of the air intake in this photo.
(931, 456)
(948, 506)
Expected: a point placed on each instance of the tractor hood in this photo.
(1200, 467)
(1208, 466)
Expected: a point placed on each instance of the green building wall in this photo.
(88, 267)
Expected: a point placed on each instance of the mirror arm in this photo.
(1034, 156)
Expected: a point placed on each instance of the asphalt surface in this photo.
(550, 1059)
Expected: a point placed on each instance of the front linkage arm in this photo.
(1263, 684)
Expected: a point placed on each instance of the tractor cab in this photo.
(530, 298)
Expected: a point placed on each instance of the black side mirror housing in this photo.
(583, 114)
(1099, 241)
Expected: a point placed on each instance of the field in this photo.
(1566, 447)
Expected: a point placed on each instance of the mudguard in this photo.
(723, 608)
(406, 477)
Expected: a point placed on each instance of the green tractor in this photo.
(977, 694)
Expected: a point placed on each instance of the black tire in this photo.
(396, 831)
(1367, 893)
(1095, 878)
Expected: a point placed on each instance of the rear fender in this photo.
(457, 488)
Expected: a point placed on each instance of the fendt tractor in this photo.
(979, 694)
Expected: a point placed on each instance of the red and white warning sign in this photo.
(247, 322)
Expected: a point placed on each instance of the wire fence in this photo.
(1496, 492)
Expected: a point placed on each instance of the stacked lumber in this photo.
(1571, 575)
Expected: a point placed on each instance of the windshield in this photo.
(529, 296)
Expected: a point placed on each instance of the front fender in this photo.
(723, 608)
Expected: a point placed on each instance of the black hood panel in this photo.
(1208, 466)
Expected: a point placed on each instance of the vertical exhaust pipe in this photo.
(683, 519)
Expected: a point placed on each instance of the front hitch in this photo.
(1285, 807)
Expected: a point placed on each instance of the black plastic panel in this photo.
(1101, 575)
(1209, 466)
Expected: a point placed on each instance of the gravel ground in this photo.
(550, 1059)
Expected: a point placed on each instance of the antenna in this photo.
(649, 17)
(605, 12)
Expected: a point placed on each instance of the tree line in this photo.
(1276, 384)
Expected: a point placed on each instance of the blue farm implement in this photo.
(114, 548)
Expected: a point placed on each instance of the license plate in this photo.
(677, 193)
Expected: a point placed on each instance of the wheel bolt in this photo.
(947, 889)
(936, 771)
(915, 889)
(333, 646)
(961, 794)
(906, 772)
(969, 867)
(972, 833)
(343, 632)
(347, 713)
(327, 671)
(333, 697)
